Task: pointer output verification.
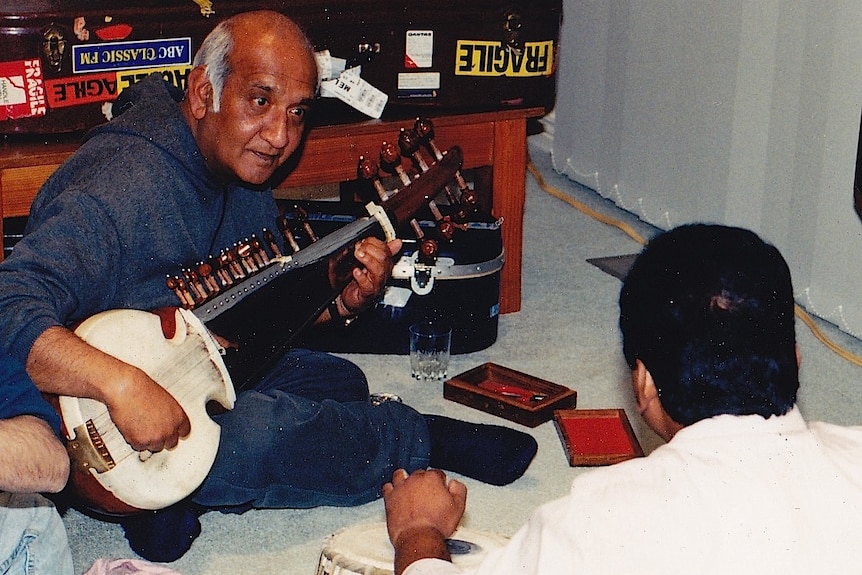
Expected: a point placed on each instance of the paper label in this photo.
(328, 66)
(350, 88)
(418, 84)
(394, 296)
(419, 49)
(419, 81)
(22, 89)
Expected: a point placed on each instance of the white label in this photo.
(350, 88)
(419, 49)
(328, 67)
(394, 296)
(12, 90)
(419, 81)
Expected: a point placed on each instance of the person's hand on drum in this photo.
(422, 511)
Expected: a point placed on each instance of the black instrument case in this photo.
(61, 61)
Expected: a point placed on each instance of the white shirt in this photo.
(726, 495)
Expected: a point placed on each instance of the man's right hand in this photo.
(148, 416)
(422, 510)
(145, 413)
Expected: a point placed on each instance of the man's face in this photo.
(263, 106)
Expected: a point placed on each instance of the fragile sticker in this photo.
(22, 89)
(79, 90)
(483, 58)
(176, 75)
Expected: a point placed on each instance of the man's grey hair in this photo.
(213, 55)
(215, 50)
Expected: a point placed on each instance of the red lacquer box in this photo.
(593, 437)
(509, 394)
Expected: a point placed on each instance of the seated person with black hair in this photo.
(744, 484)
(32, 461)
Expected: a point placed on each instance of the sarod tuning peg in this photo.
(368, 169)
(390, 159)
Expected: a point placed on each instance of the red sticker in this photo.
(22, 91)
(114, 32)
(85, 89)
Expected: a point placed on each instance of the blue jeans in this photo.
(32, 537)
(307, 435)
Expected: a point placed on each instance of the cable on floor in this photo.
(629, 231)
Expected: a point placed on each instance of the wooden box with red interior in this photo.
(509, 394)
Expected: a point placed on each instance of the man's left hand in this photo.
(369, 279)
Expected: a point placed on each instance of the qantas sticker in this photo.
(131, 55)
(419, 49)
(22, 90)
(483, 58)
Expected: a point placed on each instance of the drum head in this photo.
(365, 550)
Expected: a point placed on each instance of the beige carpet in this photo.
(566, 333)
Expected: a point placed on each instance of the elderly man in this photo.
(32, 461)
(744, 484)
(169, 181)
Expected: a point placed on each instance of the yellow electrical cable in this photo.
(583, 207)
(628, 230)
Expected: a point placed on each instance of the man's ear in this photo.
(649, 403)
(199, 92)
(644, 386)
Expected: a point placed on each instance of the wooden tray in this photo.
(593, 437)
(509, 394)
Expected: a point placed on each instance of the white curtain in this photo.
(743, 112)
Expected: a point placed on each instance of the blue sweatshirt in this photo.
(18, 395)
(136, 202)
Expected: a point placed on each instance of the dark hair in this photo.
(709, 310)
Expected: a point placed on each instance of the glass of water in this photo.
(429, 350)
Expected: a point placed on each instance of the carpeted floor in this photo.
(566, 333)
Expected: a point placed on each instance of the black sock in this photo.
(165, 535)
(490, 453)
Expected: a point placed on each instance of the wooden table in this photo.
(493, 144)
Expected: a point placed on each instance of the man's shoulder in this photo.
(148, 126)
(107, 149)
(838, 437)
(102, 166)
(622, 478)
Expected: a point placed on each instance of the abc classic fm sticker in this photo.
(22, 90)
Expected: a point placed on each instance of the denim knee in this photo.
(317, 376)
(32, 536)
(279, 450)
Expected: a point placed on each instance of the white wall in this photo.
(744, 112)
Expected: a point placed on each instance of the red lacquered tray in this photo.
(593, 437)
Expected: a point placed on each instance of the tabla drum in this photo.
(365, 550)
